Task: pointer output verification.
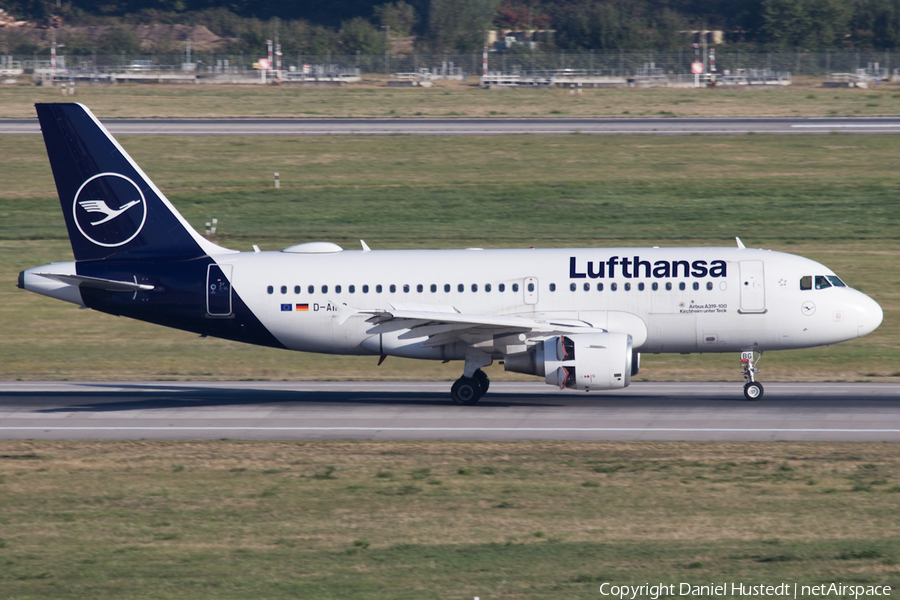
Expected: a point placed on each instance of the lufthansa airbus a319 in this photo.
(577, 317)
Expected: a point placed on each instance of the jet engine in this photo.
(584, 361)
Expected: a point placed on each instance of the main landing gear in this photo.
(753, 390)
(467, 391)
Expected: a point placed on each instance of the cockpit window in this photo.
(836, 281)
(806, 282)
(822, 282)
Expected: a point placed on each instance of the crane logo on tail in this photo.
(109, 209)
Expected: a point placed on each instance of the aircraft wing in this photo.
(403, 319)
(444, 325)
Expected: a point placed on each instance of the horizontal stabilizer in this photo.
(97, 283)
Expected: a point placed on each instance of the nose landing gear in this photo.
(753, 390)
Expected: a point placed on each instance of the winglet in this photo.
(365, 246)
(739, 243)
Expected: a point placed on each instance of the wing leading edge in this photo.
(447, 325)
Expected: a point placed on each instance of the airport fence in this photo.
(798, 63)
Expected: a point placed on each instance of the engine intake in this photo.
(587, 361)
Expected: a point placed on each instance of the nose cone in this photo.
(869, 315)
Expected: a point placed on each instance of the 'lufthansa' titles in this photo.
(636, 268)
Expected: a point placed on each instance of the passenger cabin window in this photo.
(311, 289)
(530, 287)
(433, 288)
(501, 287)
(284, 289)
(365, 289)
(599, 287)
(351, 288)
(627, 287)
(614, 286)
(806, 282)
(270, 289)
(460, 288)
(572, 287)
(296, 289)
(641, 286)
(378, 288)
(515, 287)
(405, 288)
(474, 287)
(337, 289)
(324, 289)
(393, 288)
(654, 286)
(446, 287)
(822, 282)
(552, 287)
(487, 287)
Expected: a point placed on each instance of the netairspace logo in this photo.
(781, 590)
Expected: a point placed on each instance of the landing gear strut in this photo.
(467, 391)
(753, 390)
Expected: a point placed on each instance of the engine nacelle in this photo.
(585, 361)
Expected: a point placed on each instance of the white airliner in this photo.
(578, 317)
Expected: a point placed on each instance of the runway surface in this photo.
(462, 126)
(422, 410)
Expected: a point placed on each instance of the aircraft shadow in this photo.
(158, 397)
(188, 397)
(172, 397)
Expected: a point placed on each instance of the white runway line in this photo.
(851, 125)
(460, 429)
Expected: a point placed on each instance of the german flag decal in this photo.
(303, 308)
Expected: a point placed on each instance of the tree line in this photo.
(374, 26)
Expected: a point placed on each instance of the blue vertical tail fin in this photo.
(111, 207)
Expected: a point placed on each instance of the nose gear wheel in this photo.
(753, 390)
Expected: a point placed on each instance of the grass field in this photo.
(228, 519)
(438, 520)
(452, 99)
(832, 198)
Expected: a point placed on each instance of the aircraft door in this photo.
(753, 290)
(530, 289)
(218, 290)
